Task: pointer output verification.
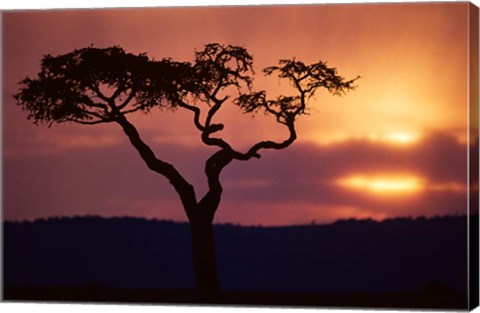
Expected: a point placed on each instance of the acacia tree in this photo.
(92, 86)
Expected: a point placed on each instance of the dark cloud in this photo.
(76, 181)
(113, 180)
(438, 156)
(306, 173)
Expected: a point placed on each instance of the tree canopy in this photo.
(99, 85)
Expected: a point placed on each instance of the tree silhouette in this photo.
(92, 86)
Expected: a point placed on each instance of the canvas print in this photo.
(300, 155)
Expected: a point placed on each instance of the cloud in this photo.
(308, 173)
(296, 184)
(59, 143)
(438, 157)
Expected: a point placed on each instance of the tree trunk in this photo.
(203, 247)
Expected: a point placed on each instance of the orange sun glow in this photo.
(383, 184)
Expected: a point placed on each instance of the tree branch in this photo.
(94, 114)
(87, 122)
(118, 92)
(213, 167)
(131, 110)
(183, 188)
(127, 101)
(196, 112)
(214, 109)
(212, 128)
(253, 151)
(99, 93)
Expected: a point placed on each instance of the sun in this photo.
(383, 185)
(399, 139)
(395, 138)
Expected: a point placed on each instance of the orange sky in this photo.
(379, 151)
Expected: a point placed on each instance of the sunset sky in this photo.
(395, 146)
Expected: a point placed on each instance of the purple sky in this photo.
(396, 146)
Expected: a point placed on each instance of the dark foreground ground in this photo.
(398, 263)
(433, 297)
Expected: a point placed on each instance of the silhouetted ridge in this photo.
(123, 252)
(395, 255)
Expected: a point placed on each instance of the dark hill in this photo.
(350, 256)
